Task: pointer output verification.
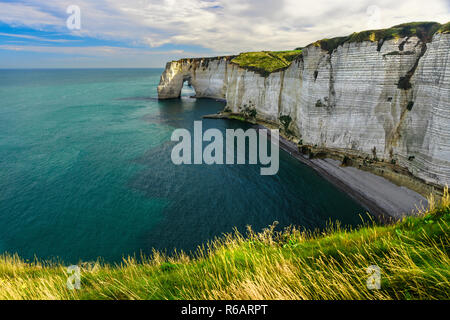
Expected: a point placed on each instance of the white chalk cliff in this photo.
(390, 101)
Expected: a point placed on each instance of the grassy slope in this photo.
(445, 28)
(413, 256)
(266, 62)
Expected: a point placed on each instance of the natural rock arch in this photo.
(173, 79)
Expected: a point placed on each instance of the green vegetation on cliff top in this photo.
(445, 28)
(413, 257)
(266, 62)
(423, 30)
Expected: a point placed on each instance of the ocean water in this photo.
(85, 172)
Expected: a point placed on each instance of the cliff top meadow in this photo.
(266, 62)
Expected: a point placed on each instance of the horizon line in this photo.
(79, 68)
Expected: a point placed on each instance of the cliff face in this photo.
(389, 101)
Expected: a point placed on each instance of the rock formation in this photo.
(384, 100)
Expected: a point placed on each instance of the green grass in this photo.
(237, 117)
(266, 62)
(413, 256)
(445, 28)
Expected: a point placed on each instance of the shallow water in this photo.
(85, 171)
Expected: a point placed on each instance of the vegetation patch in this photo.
(249, 110)
(374, 153)
(316, 74)
(319, 104)
(286, 120)
(330, 44)
(237, 117)
(266, 62)
(347, 161)
(399, 53)
(410, 105)
(404, 83)
(445, 28)
(423, 30)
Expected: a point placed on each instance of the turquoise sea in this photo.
(85, 171)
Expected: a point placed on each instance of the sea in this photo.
(86, 172)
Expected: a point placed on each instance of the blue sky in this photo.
(148, 33)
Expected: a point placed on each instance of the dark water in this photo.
(85, 171)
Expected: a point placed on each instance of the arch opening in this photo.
(187, 89)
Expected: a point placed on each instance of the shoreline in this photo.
(381, 200)
(381, 197)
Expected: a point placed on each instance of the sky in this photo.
(148, 33)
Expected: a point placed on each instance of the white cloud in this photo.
(28, 37)
(226, 26)
(234, 25)
(18, 14)
(86, 51)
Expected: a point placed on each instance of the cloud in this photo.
(225, 26)
(18, 14)
(28, 37)
(236, 25)
(86, 51)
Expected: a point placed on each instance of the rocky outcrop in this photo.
(208, 76)
(388, 101)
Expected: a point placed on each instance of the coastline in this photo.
(381, 197)
(378, 195)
